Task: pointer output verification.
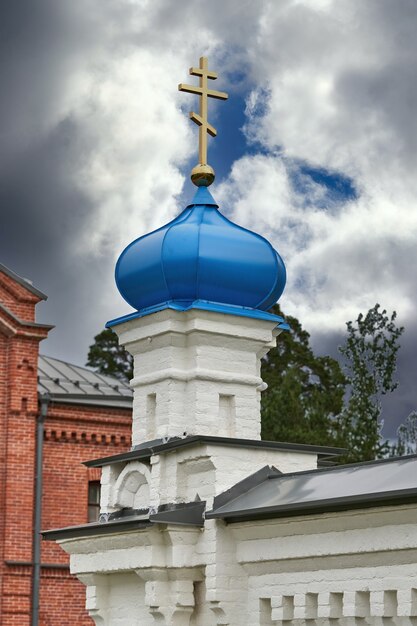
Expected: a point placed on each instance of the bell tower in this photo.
(201, 288)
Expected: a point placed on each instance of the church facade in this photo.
(202, 523)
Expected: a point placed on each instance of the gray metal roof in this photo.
(25, 282)
(135, 522)
(345, 487)
(268, 493)
(72, 384)
(184, 514)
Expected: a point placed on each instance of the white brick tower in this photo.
(196, 372)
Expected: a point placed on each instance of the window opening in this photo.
(93, 500)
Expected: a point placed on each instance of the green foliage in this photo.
(407, 437)
(107, 357)
(370, 352)
(305, 392)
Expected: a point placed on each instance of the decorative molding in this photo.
(96, 597)
(25, 365)
(195, 374)
(74, 436)
(23, 327)
(131, 489)
(169, 594)
(219, 613)
(361, 604)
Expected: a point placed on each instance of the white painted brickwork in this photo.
(199, 373)
(236, 582)
(186, 364)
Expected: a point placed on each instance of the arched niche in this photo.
(132, 487)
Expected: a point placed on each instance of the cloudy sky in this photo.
(317, 150)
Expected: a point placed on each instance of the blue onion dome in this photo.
(200, 256)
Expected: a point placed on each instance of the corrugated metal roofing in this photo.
(73, 384)
(344, 487)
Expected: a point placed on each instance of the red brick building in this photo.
(88, 415)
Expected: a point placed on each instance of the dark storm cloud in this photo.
(37, 43)
(37, 196)
(42, 45)
(41, 210)
(42, 216)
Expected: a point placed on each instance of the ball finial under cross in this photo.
(202, 175)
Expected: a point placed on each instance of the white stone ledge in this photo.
(340, 521)
(383, 539)
(196, 374)
(136, 558)
(196, 320)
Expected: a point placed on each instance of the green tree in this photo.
(305, 392)
(107, 357)
(370, 354)
(406, 437)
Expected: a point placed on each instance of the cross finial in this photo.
(203, 174)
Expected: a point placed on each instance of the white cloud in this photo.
(333, 84)
(335, 91)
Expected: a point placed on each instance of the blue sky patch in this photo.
(320, 187)
(316, 186)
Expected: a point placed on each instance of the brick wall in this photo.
(18, 409)
(3, 446)
(18, 299)
(73, 434)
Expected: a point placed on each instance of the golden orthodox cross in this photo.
(204, 92)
